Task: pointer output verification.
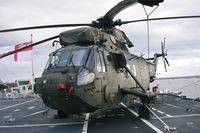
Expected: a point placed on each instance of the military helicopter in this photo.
(93, 69)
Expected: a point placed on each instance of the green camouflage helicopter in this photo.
(93, 69)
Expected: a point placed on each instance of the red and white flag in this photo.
(19, 46)
(6, 50)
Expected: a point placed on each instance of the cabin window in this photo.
(100, 63)
(30, 87)
(24, 88)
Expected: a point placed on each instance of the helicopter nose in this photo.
(55, 83)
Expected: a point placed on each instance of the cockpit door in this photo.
(101, 76)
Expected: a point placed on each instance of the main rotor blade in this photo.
(118, 8)
(125, 4)
(45, 26)
(163, 18)
(34, 44)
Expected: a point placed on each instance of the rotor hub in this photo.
(101, 23)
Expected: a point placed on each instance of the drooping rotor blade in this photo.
(150, 2)
(125, 4)
(157, 19)
(118, 8)
(34, 44)
(46, 26)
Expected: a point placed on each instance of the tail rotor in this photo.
(164, 54)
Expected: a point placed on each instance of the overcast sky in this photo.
(182, 36)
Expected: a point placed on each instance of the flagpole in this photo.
(33, 76)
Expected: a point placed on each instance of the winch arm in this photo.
(146, 98)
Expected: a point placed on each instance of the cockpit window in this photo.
(78, 57)
(58, 59)
(62, 57)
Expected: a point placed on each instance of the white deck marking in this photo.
(154, 109)
(160, 112)
(171, 105)
(145, 121)
(179, 116)
(6, 117)
(32, 107)
(41, 125)
(169, 115)
(16, 110)
(17, 104)
(85, 125)
(191, 115)
(39, 112)
(190, 123)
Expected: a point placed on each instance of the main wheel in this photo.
(62, 114)
(144, 112)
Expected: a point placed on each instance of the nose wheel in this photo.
(144, 112)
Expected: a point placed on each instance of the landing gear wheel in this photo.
(144, 112)
(61, 114)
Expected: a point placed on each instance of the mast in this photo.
(32, 65)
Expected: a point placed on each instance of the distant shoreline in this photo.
(180, 77)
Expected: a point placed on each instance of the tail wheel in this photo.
(144, 112)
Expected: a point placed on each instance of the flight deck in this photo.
(31, 115)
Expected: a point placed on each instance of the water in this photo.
(189, 86)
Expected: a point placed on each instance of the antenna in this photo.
(148, 28)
